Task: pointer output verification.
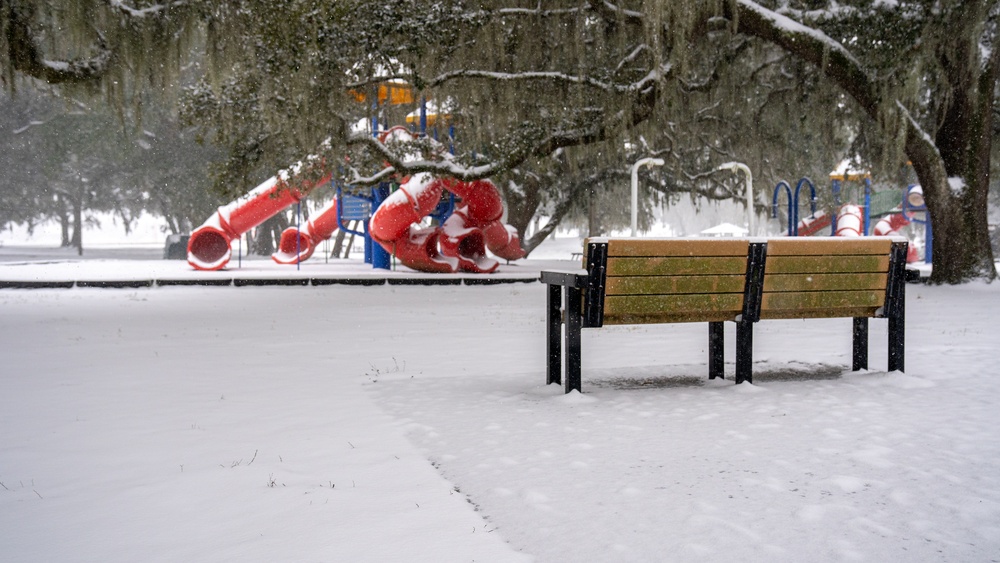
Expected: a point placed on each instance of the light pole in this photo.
(648, 161)
(735, 167)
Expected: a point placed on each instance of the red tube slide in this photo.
(297, 245)
(209, 245)
(458, 245)
(812, 224)
(849, 221)
(890, 225)
(394, 225)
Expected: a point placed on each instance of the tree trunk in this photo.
(268, 233)
(338, 243)
(77, 239)
(523, 204)
(953, 167)
(593, 219)
(956, 176)
(64, 228)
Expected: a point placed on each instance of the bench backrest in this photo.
(833, 277)
(679, 280)
(641, 281)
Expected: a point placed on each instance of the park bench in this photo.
(650, 281)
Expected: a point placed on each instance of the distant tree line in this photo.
(68, 161)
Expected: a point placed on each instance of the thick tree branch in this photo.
(810, 45)
(613, 13)
(26, 56)
(525, 76)
(644, 96)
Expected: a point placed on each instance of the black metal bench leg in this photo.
(574, 299)
(553, 336)
(744, 352)
(859, 340)
(897, 337)
(716, 359)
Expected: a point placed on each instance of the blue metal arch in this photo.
(812, 200)
(774, 203)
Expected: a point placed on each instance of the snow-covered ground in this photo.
(412, 423)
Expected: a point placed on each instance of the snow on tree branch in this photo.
(792, 29)
(537, 11)
(154, 10)
(403, 159)
(809, 44)
(511, 76)
(611, 12)
(916, 130)
(652, 76)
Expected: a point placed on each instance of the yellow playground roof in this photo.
(393, 92)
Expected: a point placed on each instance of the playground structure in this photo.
(892, 209)
(391, 219)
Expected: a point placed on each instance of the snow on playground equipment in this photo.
(209, 247)
(460, 242)
(852, 219)
(849, 221)
(914, 206)
(298, 243)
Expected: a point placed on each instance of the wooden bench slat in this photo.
(809, 246)
(677, 247)
(821, 300)
(818, 313)
(824, 282)
(655, 285)
(825, 264)
(723, 265)
(696, 317)
(731, 303)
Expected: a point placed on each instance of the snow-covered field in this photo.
(410, 423)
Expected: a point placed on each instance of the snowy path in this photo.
(206, 425)
(290, 424)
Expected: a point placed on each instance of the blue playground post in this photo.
(380, 258)
(774, 204)
(423, 116)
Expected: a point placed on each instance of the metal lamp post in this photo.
(648, 161)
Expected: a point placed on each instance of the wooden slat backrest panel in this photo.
(677, 266)
(643, 309)
(677, 247)
(834, 277)
(674, 280)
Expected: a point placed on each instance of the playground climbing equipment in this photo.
(457, 244)
(854, 217)
(465, 216)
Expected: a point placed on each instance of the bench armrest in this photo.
(566, 278)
